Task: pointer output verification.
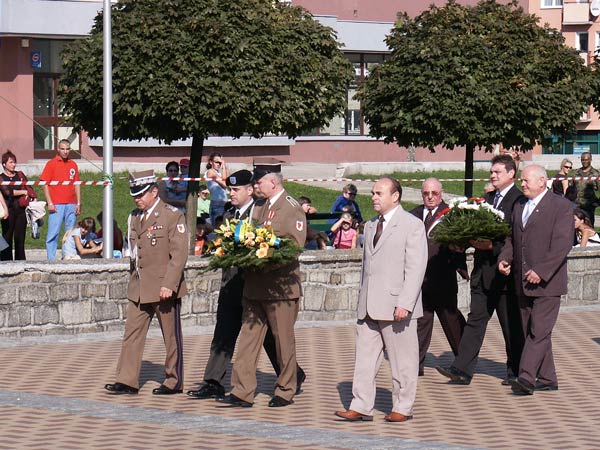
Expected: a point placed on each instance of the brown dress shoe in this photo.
(396, 417)
(353, 416)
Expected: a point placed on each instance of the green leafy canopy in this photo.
(476, 76)
(186, 68)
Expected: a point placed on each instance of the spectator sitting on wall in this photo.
(347, 200)
(202, 232)
(315, 240)
(173, 192)
(72, 246)
(344, 234)
(203, 211)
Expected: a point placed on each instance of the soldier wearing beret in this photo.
(158, 242)
(229, 310)
(270, 298)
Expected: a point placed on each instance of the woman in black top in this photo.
(14, 227)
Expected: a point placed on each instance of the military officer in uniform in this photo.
(270, 297)
(159, 242)
(229, 310)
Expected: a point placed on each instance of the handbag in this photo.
(30, 196)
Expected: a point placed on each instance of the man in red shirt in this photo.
(64, 202)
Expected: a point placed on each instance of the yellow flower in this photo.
(220, 252)
(228, 234)
(218, 242)
(250, 235)
(260, 239)
(249, 243)
(264, 245)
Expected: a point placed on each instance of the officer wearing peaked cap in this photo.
(158, 242)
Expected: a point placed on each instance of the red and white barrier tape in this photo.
(312, 180)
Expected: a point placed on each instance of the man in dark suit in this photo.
(491, 291)
(439, 286)
(229, 310)
(270, 298)
(536, 253)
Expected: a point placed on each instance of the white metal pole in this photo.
(107, 137)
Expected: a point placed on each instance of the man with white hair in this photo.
(536, 254)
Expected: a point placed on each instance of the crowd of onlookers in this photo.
(343, 229)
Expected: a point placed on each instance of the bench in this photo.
(320, 221)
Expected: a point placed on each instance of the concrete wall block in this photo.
(352, 276)
(576, 264)
(575, 288)
(105, 311)
(72, 313)
(319, 276)
(45, 314)
(590, 288)
(592, 264)
(8, 294)
(32, 332)
(205, 319)
(201, 303)
(354, 299)
(3, 316)
(215, 284)
(336, 299)
(313, 297)
(35, 294)
(93, 290)
(189, 321)
(200, 283)
(335, 278)
(19, 316)
(62, 292)
(117, 291)
(186, 306)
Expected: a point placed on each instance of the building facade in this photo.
(33, 32)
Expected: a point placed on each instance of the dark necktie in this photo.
(378, 231)
(237, 214)
(428, 220)
(497, 199)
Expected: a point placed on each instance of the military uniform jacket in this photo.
(288, 221)
(159, 250)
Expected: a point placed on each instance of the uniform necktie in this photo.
(497, 198)
(144, 217)
(428, 219)
(237, 214)
(527, 212)
(378, 230)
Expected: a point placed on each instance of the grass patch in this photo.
(451, 187)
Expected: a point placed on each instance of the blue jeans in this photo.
(64, 213)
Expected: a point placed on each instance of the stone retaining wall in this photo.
(43, 298)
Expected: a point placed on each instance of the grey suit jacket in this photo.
(542, 245)
(392, 272)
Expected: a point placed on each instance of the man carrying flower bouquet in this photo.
(270, 298)
(490, 290)
(229, 310)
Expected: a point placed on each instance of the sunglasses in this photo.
(568, 167)
(428, 193)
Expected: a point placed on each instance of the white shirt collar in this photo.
(273, 199)
(388, 216)
(242, 209)
(504, 191)
(536, 200)
(426, 211)
(149, 210)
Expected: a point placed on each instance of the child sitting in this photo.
(344, 235)
(72, 246)
(202, 232)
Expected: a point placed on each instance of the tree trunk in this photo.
(470, 151)
(191, 205)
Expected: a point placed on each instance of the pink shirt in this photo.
(343, 238)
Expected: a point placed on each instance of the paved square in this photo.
(52, 396)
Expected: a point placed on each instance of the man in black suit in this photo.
(490, 290)
(229, 310)
(439, 286)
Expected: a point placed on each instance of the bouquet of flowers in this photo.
(468, 220)
(239, 243)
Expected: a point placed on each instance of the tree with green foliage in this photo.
(194, 68)
(475, 76)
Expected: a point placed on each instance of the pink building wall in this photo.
(16, 89)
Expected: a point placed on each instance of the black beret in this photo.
(239, 178)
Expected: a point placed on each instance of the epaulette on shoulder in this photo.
(171, 207)
(292, 201)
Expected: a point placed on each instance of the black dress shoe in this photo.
(545, 387)
(301, 377)
(234, 402)
(508, 380)
(278, 402)
(120, 389)
(164, 390)
(522, 387)
(456, 376)
(208, 390)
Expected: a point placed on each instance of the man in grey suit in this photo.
(389, 304)
(536, 254)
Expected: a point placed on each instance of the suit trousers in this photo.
(450, 317)
(280, 316)
(539, 315)
(139, 316)
(227, 329)
(402, 346)
(483, 305)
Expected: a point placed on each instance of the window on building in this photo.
(48, 127)
(581, 42)
(551, 3)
